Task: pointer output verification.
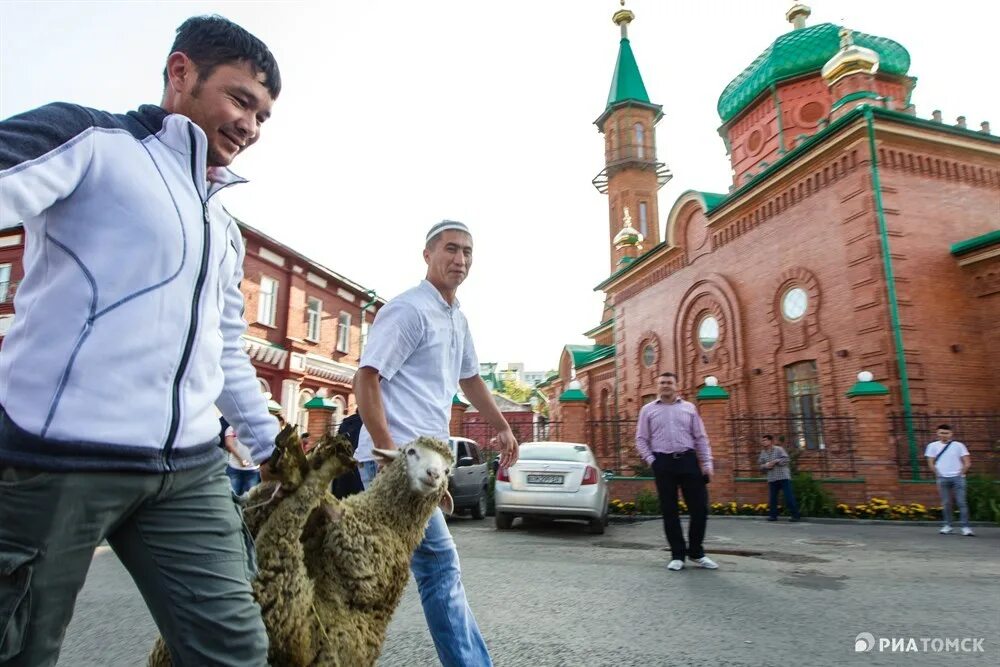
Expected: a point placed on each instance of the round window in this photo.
(648, 356)
(708, 332)
(811, 112)
(755, 141)
(794, 303)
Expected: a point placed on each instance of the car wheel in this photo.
(504, 521)
(479, 509)
(597, 526)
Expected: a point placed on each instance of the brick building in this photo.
(306, 324)
(855, 236)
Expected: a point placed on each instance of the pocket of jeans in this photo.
(16, 478)
(15, 596)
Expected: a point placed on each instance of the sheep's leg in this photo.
(282, 587)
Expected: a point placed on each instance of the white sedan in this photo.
(554, 480)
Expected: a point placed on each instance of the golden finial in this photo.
(628, 236)
(622, 18)
(797, 16)
(850, 59)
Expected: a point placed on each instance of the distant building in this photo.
(306, 322)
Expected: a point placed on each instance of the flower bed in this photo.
(876, 508)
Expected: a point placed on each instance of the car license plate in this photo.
(545, 479)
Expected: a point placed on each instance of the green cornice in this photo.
(968, 245)
(320, 403)
(712, 394)
(606, 324)
(584, 355)
(573, 396)
(867, 389)
(800, 52)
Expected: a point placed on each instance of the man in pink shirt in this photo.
(671, 438)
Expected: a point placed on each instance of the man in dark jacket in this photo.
(350, 482)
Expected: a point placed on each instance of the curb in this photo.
(638, 518)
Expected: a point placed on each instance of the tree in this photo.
(514, 390)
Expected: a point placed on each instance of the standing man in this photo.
(419, 352)
(106, 434)
(949, 460)
(773, 460)
(671, 438)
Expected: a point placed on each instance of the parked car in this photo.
(552, 480)
(469, 477)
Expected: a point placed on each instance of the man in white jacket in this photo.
(127, 335)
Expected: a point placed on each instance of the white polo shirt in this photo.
(421, 347)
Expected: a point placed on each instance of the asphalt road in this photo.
(552, 595)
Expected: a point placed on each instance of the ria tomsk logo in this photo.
(864, 642)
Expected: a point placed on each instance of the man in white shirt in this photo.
(419, 352)
(949, 459)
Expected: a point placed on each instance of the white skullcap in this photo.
(444, 226)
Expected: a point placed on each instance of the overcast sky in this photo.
(395, 114)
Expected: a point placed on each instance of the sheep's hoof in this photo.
(288, 463)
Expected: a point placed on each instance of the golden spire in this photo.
(622, 18)
(797, 16)
(851, 59)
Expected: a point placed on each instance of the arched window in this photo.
(339, 413)
(640, 141)
(265, 388)
(804, 405)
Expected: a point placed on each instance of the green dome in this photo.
(800, 52)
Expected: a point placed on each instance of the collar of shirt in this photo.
(426, 285)
(677, 399)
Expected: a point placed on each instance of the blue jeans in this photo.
(438, 573)
(773, 489)
(957, 484)
(242, 480)
(368, 470)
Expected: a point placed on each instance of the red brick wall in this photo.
(816, 228)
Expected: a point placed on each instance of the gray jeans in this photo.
(180, 535)
(957, 484)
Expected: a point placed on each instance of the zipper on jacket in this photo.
(195, 309)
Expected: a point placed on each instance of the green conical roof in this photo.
(626, 84)
(800, 52)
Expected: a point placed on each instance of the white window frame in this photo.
(267, 304)
(5, 282)
(640, 140)
(344, 332)
(314, 318)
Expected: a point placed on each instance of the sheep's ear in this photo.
(385, 456)
(447, 503)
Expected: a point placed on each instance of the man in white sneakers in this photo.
(949, 459)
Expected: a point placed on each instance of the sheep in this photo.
(331, 572)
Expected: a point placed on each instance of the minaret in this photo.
(850, 74)
(631, 176)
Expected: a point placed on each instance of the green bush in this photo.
(812, 498)
(642, 469)
(490, 503)
(983, 496)
(646, 502)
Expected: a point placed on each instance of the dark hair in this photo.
(210, 41)
(943, 427)
(668, 374)
(768, 436)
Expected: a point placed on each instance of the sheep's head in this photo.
(427, 463)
